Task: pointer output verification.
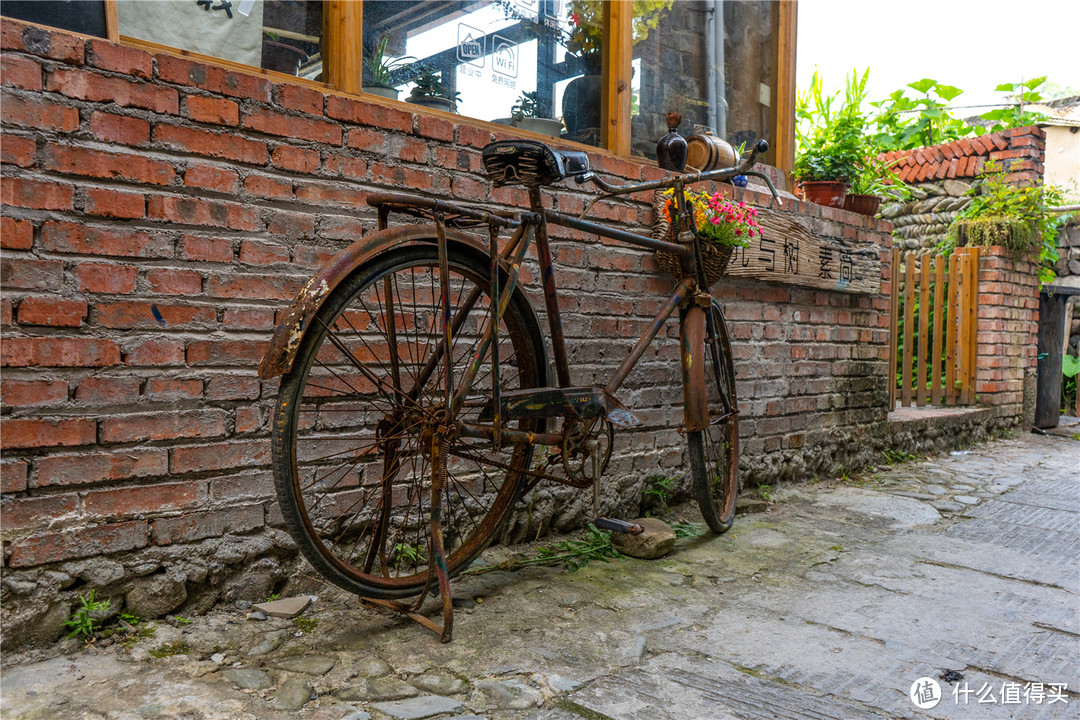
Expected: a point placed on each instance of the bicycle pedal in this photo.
(616, 525)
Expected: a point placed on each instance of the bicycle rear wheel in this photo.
(714, 451)
(357, 412)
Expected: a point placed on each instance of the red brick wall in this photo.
(1008, 330)
(133, 181)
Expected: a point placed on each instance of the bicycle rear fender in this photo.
(692, 344)
(296, 320)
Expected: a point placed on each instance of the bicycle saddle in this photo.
(528, 162)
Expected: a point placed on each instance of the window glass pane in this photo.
(280, 35)
(541, 57)
(674, 50)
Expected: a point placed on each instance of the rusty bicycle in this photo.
(415, 389)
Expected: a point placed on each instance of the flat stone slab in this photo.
(438, 683)
(271, 642)
(384, 688)
(419, 707)
(512, 694)
(308, 664)
(288, 607)
(248, 678)
(293, 694)
(903, 512)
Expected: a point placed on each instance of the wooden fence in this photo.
(934, 342)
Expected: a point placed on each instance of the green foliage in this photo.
(86, 617)
(587, 18)
(687, 529)
(406, 555)
(272, 597)
(1016, 217)
(765, 492)
(1070, 370)
(877, 178)
(306, 624)
(658, 489)
(183, 620)
(527, 105)
(429, 84)
(573, 553)
(896, 457)
(904, 122)
(379, 68)
(1012, 116)
(832, 144)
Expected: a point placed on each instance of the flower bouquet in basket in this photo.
(723, 224)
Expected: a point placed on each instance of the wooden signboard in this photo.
(787, 252)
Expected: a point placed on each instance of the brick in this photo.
(193, 247)
(27, 393)
(53, 44)
(226, 352)
(249, 419)
(154, 353)
(107, 391)
(16, 234)
(259, 287)
(212, 78)
(39, 114)
(35, 433)
(84, 542)
(337, 195)
(36, 194)
(253, 252)
(217, 111)
(166, 426)
(82, 85)
(171, 389)
(195, 211)
(367, 113)
(64, 470)
(150, 498)
(113, 204)
(106, 279)
(126, 315)
(58, 352)
(20, 72)
(189, 528)
(233, 387)
(435, 128)
(399, 176)
(211, 144)
(295, 159)
(120, 129)
(248, 486)
(37, 513)
(223, 456)
(472, 136)
(64, 237)
(299, 98)
(51, 311)
(119, 58)
(13, 475)
(174, 282)
(15, 150)
(209, 177)
(275, 123)
(248, 319)
(364, 139)
(269, 187)
(107, 165)
(307, 256)
(294, 226)
(343, 166)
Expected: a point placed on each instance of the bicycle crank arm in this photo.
(615, 525)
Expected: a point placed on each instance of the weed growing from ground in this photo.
(174, 648)
(306, 624)
(687, 529)
(573, 553)
(83, 621)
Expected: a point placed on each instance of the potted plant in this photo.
(833, 145)
(874, 181)
(723, 224)
(527, 115)
(430, 91)
(380, 71)
(1015, 217)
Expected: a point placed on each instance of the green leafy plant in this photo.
(687, 529)
(87, 617)
(527, 105)
(406, 555)
(1070, 370)
(1015, 115)
(429, 84)
(380, 70)
(875, 177)
(903, 123)
(765, 493)
(658, 489)
(574, 554)
(1016, 217)
(831, 143)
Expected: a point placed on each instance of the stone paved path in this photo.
(829, 605)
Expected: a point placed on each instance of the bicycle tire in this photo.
(714, 452)
(356, 507)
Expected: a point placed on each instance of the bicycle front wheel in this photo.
(714, 451)
(358, 410)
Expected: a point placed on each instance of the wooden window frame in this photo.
(342, 49)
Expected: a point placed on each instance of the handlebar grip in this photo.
(762, 146)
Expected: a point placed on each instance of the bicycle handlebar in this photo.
(743, 168)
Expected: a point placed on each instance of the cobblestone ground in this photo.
(832, 603)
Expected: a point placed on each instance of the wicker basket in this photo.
(714, 258)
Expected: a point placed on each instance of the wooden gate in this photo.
(934, 327)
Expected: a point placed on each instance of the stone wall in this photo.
(158, 213)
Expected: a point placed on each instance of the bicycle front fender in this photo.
(296, 320)
(692, 344)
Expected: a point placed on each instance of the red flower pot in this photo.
(862, 204)
(824, 192)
